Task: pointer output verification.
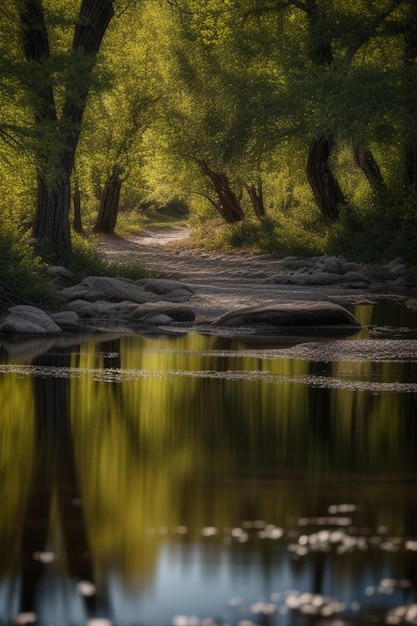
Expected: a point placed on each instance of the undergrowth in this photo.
(23, 279)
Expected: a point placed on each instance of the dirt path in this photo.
(222, 281)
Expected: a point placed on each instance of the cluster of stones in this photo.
(335, 270)
(100, 303)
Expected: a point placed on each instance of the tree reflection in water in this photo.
(169, 490)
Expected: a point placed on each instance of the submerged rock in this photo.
(289, 314)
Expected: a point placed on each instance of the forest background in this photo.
(285, 126)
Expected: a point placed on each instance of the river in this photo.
(202, 481)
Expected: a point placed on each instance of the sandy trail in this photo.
(222, 281)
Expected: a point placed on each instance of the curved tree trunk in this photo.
(326, 189)
(255, 193)
(228, 204)
(109, 205)
(365, 160)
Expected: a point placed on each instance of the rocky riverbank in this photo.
(206, 291)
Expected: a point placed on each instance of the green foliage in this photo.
(281, 236)
(383, 230)
(23, 277)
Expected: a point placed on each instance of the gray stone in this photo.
(24, 319)
(176, 313)
(178, 295)
(290, 314)
(333, 264)
(57, 271)
(321, 278)
(67, 320)
(279, 279)
(398, 269)
(162, 286)
(115, 290)
(73, 293)
(355, 276)
(102, 309)
(158, 319)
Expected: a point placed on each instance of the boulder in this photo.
(67, 320)
(115, 290)
(175, 313)
(102, 309)
(58, 271)
(178, 295)
(290, 315)
(162, 286)
(25, 319)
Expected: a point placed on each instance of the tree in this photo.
(59, 128)
(110, 150)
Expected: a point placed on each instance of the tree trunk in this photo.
(52, 224)
(365, 160)
(410, 58)
(324, 185)
(228, 204)
(109, 205)
(255, 193)
(410, 166)
(55, 164)
(76, 203)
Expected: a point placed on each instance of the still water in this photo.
(196, 481)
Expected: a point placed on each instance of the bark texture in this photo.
(326, 189)
(76, 203)
(109, 205)
(55, 162)
(370, 168)
(255, 193)
(410, 54)
(228, 204)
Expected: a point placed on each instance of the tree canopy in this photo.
(295, 111)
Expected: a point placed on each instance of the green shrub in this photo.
(282, 236)
(23, 277)
(383, 230)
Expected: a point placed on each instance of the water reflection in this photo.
(137, 491)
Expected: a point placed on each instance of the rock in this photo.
(58, 271)
(178, 295)
(319, 278)
(160, 319)
(73, 293)
(115, 290)
(102, 309)
(398, 270)
(290, 314)
(67, 320)
(355, 277)
(175, 313)
(25, 319)
(332, 264)
(162, 286)
(279, 279)
(401, 281)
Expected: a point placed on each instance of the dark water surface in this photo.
(196, 481)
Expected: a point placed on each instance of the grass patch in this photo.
(86, 260)
(283, 236)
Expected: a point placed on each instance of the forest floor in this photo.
(222, 280)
